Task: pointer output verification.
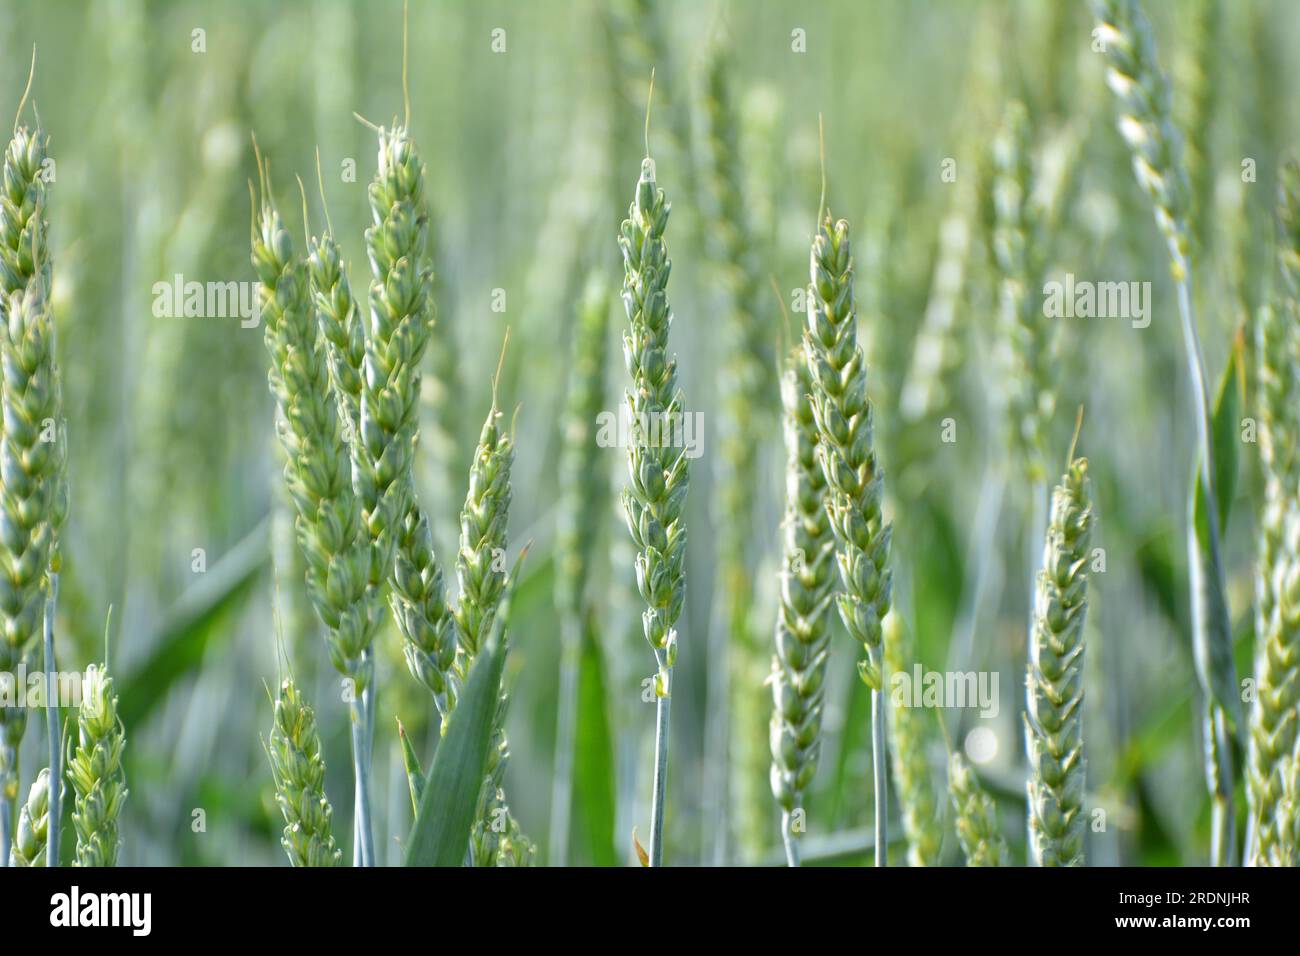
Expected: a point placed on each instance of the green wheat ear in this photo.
(1054, 685)
(855, 480)
(95, 771)
(1274, 714)
(802, 634)
(299, 772)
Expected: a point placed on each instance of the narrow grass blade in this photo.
(445, 814)
(595, 800)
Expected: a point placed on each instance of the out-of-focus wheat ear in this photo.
(738, 654)
(583, 503)
(910, 738)
(976, 817)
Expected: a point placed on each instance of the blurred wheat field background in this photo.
(530, 120)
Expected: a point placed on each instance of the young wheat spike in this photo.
(1274, 716)
(582, 504)
(30, 845)
(480, 570)
(401, 316)
(976, 817)
(95, 772)
(909, 736)
(401, 320)
(320, 478)
(1054, 684)
(34, 497)
(802, 627)
(1145, 122)
(317, 473)
(743, 391)
(847, 455)
(658, 471)
(299, 773)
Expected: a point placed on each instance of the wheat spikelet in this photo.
(1054, 685)
(318, 473)
(30, 846)
(1274, 715)
(802, 628)
(658, 471)
(854, 477)
(34, 496)
(299, 772)
(95, 771)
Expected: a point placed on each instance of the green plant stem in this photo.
(52, 724)
(1218, 748)
(364, 850)
(662, 707)
(878, 762)
(791, 844)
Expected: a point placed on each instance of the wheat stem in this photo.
(52, 722)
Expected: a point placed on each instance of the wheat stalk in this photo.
(31, 842)
(913, 777)
(582, 503)
(320, 478)
(1146, 125)
(1054, 684)
(1274, 715)
(34, 495)
(655, 496)
(299, 772)
(95, 771)
(803, 631)
(976, 817)
(847, 455)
